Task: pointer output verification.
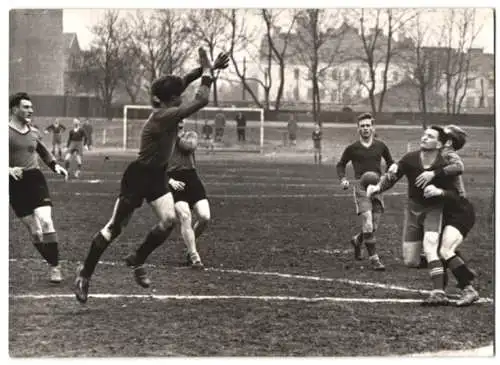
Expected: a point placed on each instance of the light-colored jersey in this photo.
(181, 160)
(455, 165)
(24, 148)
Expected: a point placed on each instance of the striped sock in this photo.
(436, 271)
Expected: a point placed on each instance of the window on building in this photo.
(395, 76)
(491, 83)
(359, 75)
(470, 102)
(322, 94)
(346, 74)
(334, 95)
(296, 93)
(309, 93)
(335, 74)
(296, 73)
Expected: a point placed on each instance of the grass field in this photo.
(281, 280)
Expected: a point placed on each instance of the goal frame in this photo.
(209, 108)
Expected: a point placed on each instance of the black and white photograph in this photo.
(251, 181)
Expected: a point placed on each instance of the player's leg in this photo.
(67, 159)
(78, 158)
(49, 240)
(432, 226)
(59, 150)
(201, 211)
(164, 209)
(412, 239)
(183, 212)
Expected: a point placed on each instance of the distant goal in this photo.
(227, 139)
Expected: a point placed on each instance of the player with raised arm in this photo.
(189, 194)
(458, 213)
(317, 135)
(145, 177)
(57, 130)
(366, 156)
(423, 216)
(77, 138)
(28, 191)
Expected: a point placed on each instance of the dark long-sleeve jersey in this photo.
(24, 147)
(159, 133)
(364, 158)
(78, 135)
(411, 167)
(55, 129)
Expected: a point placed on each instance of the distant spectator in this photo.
(241, 124)
(292, 130)
(87, 128)
(220, 124)
(206, 132)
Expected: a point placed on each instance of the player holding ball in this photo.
(365, 155)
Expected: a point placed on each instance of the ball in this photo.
(369, 178)
(188, 141)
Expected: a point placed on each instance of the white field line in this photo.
(220, 297)
(389, 287)
(234, 196)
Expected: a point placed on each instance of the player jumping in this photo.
(28, 191)
(365, 155)
(57, 130)
(74, 148)
(144, 178)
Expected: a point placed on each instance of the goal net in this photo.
(220, 124)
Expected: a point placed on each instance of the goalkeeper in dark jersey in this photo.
(144, 178)
(57, 130)
(28, 192)
(77, 138)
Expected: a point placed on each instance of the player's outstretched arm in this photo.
(49, 159)
(341, 165)
(455, 165)
(386, 154)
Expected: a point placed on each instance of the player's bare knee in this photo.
(44, 217)
(431, 244)
(367, 222)
(446, 252)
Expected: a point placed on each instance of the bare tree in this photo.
(317, 46)
(458, 33)
(103, 63)
(160, 42)
(209, 26)
(377, 29)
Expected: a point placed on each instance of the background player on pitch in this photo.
(317, 135)
(189, 193)
(423, 216)
(28, 191)
(57, 130)
(145, 177)
(365, 155)
(74, 148)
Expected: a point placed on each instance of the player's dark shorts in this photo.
(141, 181)
(193, 192)
(76, 147)
(460, 214)
(365, 204)
(28, 193)
(57, 139)
(317, 146)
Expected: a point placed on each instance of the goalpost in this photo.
(134, 117)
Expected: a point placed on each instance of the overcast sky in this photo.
(80, 20)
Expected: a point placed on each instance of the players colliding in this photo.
(365, 155)
(432, 206)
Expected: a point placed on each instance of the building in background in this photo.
(36, 51)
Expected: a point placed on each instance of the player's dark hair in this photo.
(15, 100)
(365, 116)
(442, 137)
(456, 135)
(165, 89)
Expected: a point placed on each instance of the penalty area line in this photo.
(266, 298)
